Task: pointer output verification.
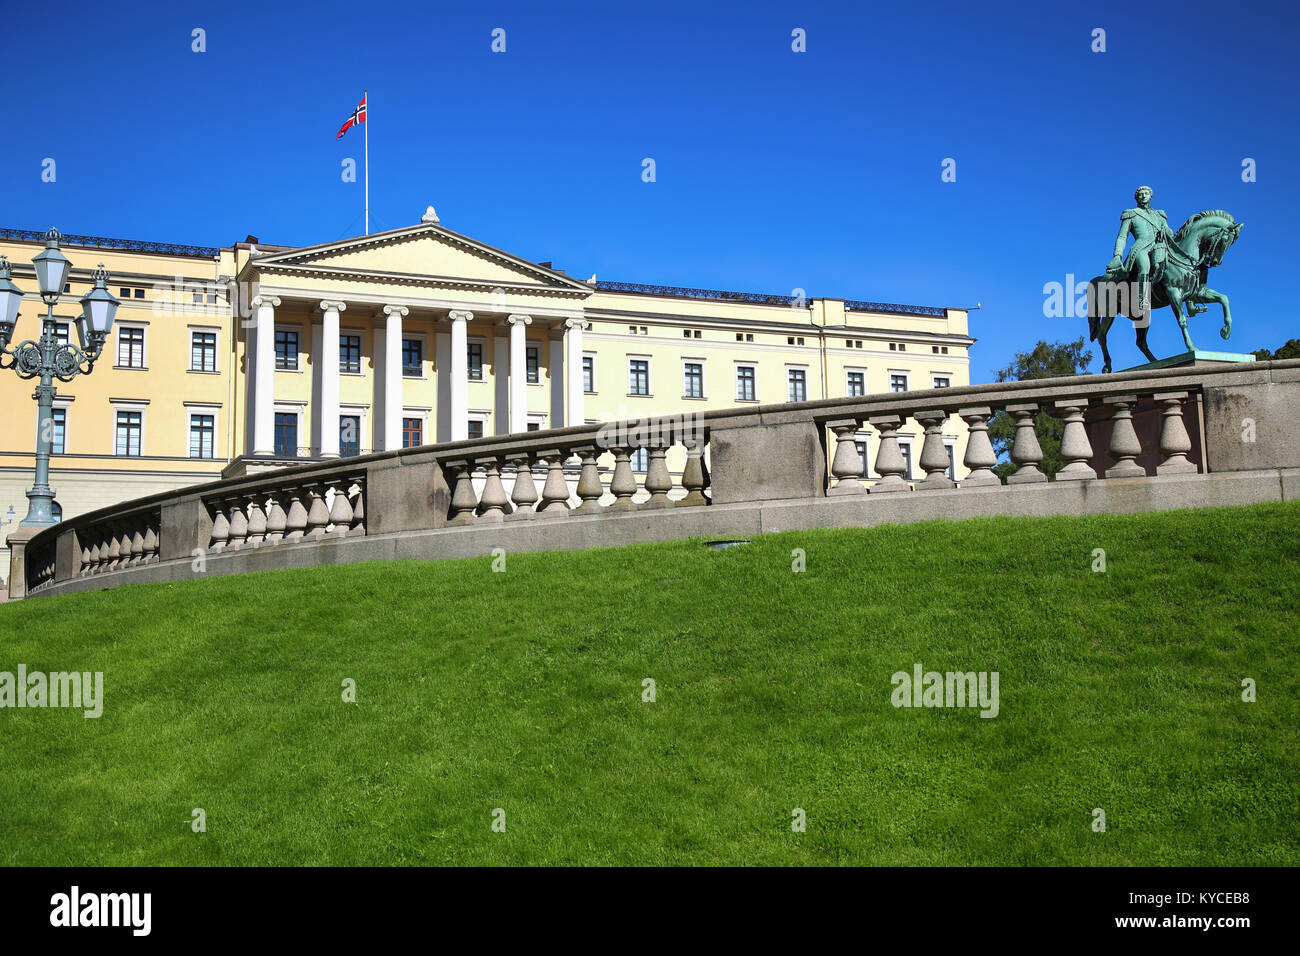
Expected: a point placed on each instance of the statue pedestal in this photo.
(1194, 359)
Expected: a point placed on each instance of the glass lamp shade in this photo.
(52, 267)
(98, 307)
(11, 297)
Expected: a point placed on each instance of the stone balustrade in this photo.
(1144, 440)
(1080, 462)
(282, 513)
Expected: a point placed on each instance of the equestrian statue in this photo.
(1162, 268)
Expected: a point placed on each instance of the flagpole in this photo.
(365, 97)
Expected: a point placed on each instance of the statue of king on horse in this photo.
(1162, 268)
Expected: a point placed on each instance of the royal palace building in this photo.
(228, 360)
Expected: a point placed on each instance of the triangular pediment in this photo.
(427, 252)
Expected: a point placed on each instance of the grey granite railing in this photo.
(1132, 441)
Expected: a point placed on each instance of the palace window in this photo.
(129, 426)
(61, 333)
(130, 347)
(532, 361)
(475, 361)
(745, 387)
(693, 380)
(639, 463)
(203, 351)
(951, 470)
(58, 439)
(286, 434)
(349, 436)
(412, 432)
(412, 358)
(798, 385)
(897, 382)
(638, 376)
(942, 381)
(589, 375)
(350, 354)
(286, 350)
(857, 383)
(475, 428)
(202, 436)
(861, 445)
(906, 448)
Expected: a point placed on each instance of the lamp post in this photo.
(48, 358)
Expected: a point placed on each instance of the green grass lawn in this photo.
(522, 691)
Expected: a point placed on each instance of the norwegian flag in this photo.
(358, 116)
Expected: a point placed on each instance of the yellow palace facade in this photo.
(225, 360)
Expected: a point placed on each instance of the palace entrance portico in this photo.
(500, 344)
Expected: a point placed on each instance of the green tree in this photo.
(1288, 351)
(1045, 360)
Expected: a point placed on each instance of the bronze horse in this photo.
(1198, 245)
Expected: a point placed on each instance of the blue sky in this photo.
(775, 170)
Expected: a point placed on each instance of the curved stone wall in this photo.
(1189, 437)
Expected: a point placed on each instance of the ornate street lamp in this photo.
(49, 358)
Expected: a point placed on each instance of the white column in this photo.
(391, 426)
(573, 369)
(501, 381)
(264, 372)
(327, 371)
(519, 372)
(459, 373)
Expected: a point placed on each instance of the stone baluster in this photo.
(1076, 449)
(555, 492)
(318, 515)
(151, 541)
(357, 499)
(341, 508)
(657, 479)
(256, 511)
(1124, 444)
(220, 528)
(693, 474)
(238, 519)
(980, 457)
(1175, 443)
(276, 519)
(124, 547)
(890, 465)
(623, 484)
(847, 465)
(295, 519)
(934, 453)
(137, 544)
(86, 563)
(494, 504)
(523, 494)
(463, 500)
(1026, 453)
(589, 486)
(113, 552)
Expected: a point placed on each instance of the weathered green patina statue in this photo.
(1162, 268)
